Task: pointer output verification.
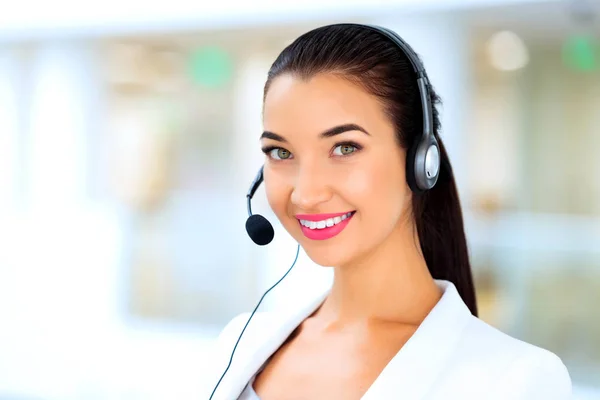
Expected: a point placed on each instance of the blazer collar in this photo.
(279, 326)
(411, 372)
(414, 369)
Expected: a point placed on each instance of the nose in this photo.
(311, 189)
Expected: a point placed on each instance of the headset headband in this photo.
(394, 37)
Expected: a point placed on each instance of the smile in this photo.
(323, 226)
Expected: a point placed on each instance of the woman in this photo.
(342, 114)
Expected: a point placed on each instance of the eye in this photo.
(278, 153)
(344, 149)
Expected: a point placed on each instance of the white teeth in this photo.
(329, 222)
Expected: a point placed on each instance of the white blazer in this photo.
(452, 356)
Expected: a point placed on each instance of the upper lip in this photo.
(319, 217)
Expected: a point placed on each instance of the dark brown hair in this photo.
(372, 61)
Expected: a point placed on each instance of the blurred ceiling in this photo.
(34, 20)
(537, 22)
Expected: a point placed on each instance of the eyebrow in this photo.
(336, 130)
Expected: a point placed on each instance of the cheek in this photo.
(277, 192)
(380, 193)
(377, 182)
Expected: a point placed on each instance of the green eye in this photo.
(344, 150)
(280, 154)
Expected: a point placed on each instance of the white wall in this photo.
(9, 126)
(62, 332)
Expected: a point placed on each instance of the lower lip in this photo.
(325, 233)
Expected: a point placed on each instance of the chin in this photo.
(329, 253)
(326, 257)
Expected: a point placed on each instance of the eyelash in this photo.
(269, 149)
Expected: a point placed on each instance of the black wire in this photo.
(247, 322)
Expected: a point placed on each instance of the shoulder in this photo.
(233, 328)
(261, 322)
(229, 335)
(539, 374)
(520, 370)
(223, 346)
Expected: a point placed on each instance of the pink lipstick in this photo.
(323, 226)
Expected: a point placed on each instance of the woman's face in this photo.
(334, 173)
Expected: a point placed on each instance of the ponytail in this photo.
(441, 233)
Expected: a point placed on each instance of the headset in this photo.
(423, 163)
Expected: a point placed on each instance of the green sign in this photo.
(211, 67)
(579, 53)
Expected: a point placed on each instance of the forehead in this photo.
(293, 104)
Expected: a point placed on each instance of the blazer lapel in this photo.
(264, 340)
(414, 369)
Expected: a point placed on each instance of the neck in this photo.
(392, 284)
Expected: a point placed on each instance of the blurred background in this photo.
(129, 135)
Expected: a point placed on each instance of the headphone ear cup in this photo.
(411, 176)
